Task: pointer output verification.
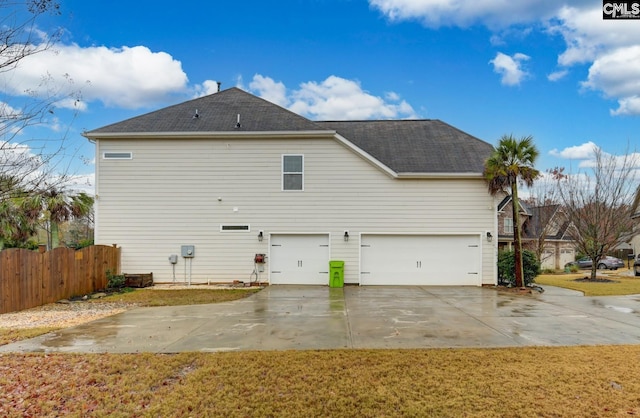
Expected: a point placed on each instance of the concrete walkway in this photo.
(317, 317)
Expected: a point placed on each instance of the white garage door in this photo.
(299, 259)
(420, 260)
(567, 255)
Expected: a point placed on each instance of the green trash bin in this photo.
(336, 273)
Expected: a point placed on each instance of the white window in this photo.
(293, 172)
(117, 156)
(508, 226)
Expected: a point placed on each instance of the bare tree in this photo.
(599, 204)
(28, 163)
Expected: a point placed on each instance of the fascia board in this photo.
(451, 176)
(365, 155)
(210, 135)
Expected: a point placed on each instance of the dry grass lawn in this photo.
(174, 297)
(516, 382)
(623, 283)
(10, 335)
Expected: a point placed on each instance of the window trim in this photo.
(283, 173)
(117, 155)
(510, 229)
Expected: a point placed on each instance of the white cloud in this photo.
(393, 96)
(8, 114)
(206, 88)
(270, 90)
(510, 68)
(617, 74)
(82, 183)
(587, 35)
(436, 13)
(585, 151)
(627, 106)
(128, 77)
(557, 75)
(610, 47)
(18, 160)
(335, 98)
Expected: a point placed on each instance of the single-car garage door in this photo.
(299, 259)
(420, 260)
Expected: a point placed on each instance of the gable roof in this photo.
(216, 113)
(400, 147)
(524, 207)
(541, 215)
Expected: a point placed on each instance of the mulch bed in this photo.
(596, 280)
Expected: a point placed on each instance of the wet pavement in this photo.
(318, 317)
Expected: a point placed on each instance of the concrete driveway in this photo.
(317, 317)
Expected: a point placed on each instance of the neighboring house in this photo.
(631, 244)
(505, 221)
(634, 241)
(230, 175)
(547, 226)
(551, 225)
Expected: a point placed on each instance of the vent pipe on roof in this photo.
(219, 84)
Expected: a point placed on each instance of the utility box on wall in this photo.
(188, 251)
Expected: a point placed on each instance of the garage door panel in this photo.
(420, 260)
(299, 259)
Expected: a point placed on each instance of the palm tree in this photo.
(18, 216)
(512, 162)
(59, 206)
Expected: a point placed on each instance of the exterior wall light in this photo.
(346, 236)
(489, 236)
(260, 236)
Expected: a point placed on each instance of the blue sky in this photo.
(551, 69)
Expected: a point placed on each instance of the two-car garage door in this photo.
(384, 259)
(420, 260)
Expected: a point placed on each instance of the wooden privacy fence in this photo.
(31, 278)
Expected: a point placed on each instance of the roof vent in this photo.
(196, 115)
(238, 122)
(219, 84)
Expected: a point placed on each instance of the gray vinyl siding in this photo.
(168, 195)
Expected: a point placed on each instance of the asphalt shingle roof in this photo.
(216, 113)
(416, 146)
(405, 146)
